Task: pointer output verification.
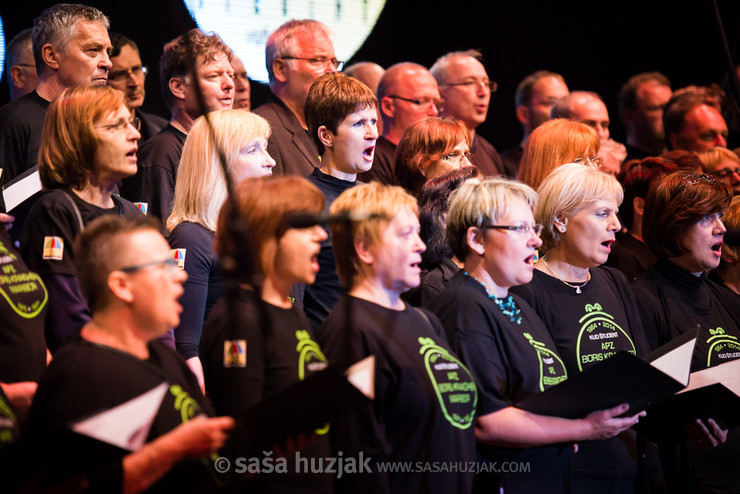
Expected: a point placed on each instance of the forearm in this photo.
(513, 427)
(143, 468)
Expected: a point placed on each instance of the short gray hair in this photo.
(439, 69)
(283, 41)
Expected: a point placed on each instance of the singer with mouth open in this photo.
(683, 226)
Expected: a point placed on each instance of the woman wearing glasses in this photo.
(724, 165)
(431, 148)
(589, 310)
(89, 142)
(683, 226)
(502, 340)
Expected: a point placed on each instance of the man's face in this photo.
(704, 128)
(318, 53)
(648, 116)
(241, 85)
(85, 59)
(127, 76)
(216, 82)
(591, 111)
(466, 91)
(418, 85)
(545, 93)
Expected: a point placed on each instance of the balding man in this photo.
(407, 93)
(693, 124)
(296, 54)
(369, 73)
(585, 107)
(465, 91)
(19, 66)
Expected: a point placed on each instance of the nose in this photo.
(535, 240)
(135, 135)
(719, 228)
(269, 159)
(602, 131)
(420, 245)
(228, 83)
(105, 62)
(614, 224)
(320, 233)
(735, 177)
(371, 132)
(720, 141)
(433, 111)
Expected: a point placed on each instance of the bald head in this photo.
(369, 73)
(585, 107)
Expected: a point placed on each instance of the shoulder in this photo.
(128, 209)
(163, 147)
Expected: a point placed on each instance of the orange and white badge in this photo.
(179, 256)
(235, 353)
(53, 248)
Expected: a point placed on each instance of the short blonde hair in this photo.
(711, 158)
(552, 144)
(566, 191)
(383, 202)
(731, 220)
(476, 204)
(200, 188)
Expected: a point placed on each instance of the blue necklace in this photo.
(507, 305)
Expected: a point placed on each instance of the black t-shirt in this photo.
(424, 406)
(384, 164)
(486, 158)
(511, 357)
(319, 298)
(85, 378)
(432, 283)
(153, 186)
(256, 359)
(192, 247)
(630, 256)
(22, 311)
(588, 328)
(21, 123)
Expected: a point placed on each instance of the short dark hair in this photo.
(100, 249)
(675, 204)
(674, 115)
(15, 47)
(523, 95)
(636, 180)
(627, 98)
(331, 98)
(118, 41)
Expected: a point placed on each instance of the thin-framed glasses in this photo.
(474, 83)
(520, 229)
(319, 61)
(591, 160)
(457, 156)
(135, 122)
(169, 264)
(119, 75)
(423, 104)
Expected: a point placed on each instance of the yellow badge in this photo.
(53, 248)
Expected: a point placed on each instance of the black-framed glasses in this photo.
(520, 229)
(457, 156)
(319, 61)
(169, 264)
(474, 83)
(135, 122)
(423, 103)
(693, 179)
(119, 75)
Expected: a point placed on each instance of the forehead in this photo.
(589, 108)
(465, 66)
(549, 87)
(237, 64)
(86, 31)
(415, 81)
(127, 57)
(313, 44)
(462, 146)
(147, 245)
(405, 217)
(114, 116)
(653, 92)
(219, 61)
(517, 209)
(705, 117)
(367, 112)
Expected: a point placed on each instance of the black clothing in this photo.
(511, 159)
(22, 312)
(510, 361)
(384, 164)
(245, 363)
(151, 124)
(634, 153)
(432, 283)
(21, 123)
(486, 158)
(630, 256)
(84, 379)
(588, 328)
(192, 247)
(47, 247)
(424, 406)
(154, 182)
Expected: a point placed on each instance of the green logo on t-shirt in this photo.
(600, 337)
(310, 358)
(552, 369)
(722, 347)
(452, 382)
(24, 291)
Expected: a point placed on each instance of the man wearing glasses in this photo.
(296, 53)
(19, 66)
(407, 93)
(466, 93)
(128, 74)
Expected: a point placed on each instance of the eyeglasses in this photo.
(119, 75)
(319, 62)
(26, 65)
(423, 104)
(169, 264)
(135, 122)
(474, 83)
(591, 160)
(695, 179)
(457, 156)
(520, 229)
(726, 172)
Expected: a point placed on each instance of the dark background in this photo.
(594, 45)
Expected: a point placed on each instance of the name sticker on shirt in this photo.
(179, 256)
(53, 248)
(143, 206)
(235, 353)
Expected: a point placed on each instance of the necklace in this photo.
(577, 287)
(507, 305)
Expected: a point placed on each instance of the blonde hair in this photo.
(476, 204)
(731, 220)
(552, 144)
(382, 202)
(200, 188)
(566, 191)
(711, 158)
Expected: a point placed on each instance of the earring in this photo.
(561, 228)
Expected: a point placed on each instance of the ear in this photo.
(729, 259)
(16, 75)
(120, 285)
(50, 56)
(474, 239)
(441, 104)
(177, 87)
(279, 70)
(326, 137)
(522, 114)
(561, 224)
(364, 252)
(386, 106)
(638, 204)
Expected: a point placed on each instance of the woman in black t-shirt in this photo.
(89, 142)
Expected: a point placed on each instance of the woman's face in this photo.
(728, 171)
(115, 155)
(396, 258)
(703, 242)
(296, 260)
(589, 234)
(457, 158)
(253, 161)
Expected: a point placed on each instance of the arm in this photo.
(67, 311)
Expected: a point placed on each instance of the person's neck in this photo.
(558, 264)
(116, 329)
(373, 291)
(182, 120)
(391, 135)
(276, 291)
(329, 167)
(651, 147)
(296, 106)
(636, 230)
(732, 278)
(475, 269)
(49, 88)
(98, 193)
